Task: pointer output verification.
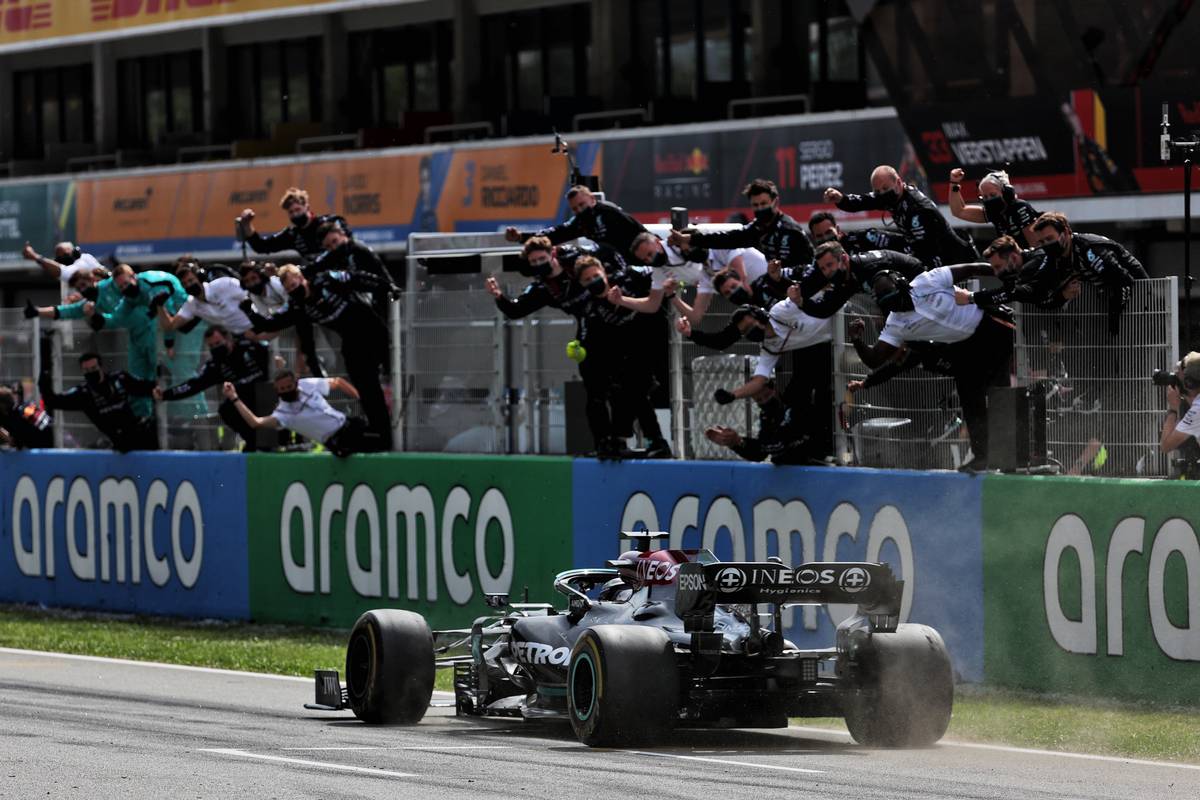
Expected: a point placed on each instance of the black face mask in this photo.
(68, 259)
(660, 259)
(195, 290)
(290, 397)
(764, 215)
(596, 287)
(831, 236)
(90, 293)
(586, 214)
(541, 270)
(889, 199)
(258, 288)
(300, 220)
(92, 378)
(297, 295)
(741, 297)
(1054, 249)
(756, 334)
(993, 207)
(219, 352)
(132, 290)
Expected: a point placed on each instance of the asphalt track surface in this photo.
(82, 727)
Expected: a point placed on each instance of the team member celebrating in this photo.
(105, 398)
(998, 204)
(302, 233)
(778, 236)
(599, 220)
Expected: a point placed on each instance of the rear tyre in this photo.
(390, 667)
(905, 691)
(622, 686)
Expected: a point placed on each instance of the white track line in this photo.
(728, 761)
(383, 773)
(437, 747)
(1028, 751)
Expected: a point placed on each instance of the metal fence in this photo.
(467, 380)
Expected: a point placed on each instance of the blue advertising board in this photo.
(926, 525)
(157, 533)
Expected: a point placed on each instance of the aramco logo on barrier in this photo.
(98, 543)
(779, 523)
(401, 512)
(1175, 536)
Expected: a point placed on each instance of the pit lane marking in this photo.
(234, 753)
(729, 761)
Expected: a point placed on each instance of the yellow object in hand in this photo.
(576, 351)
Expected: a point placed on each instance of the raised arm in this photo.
(252, 419)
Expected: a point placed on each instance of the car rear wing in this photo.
(872, 587)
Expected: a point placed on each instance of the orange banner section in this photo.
(370, 192)
(502, 183)
(31, 20)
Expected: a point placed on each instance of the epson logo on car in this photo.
(691, 583)
(538, 653)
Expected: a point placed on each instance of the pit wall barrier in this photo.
(1054, 584)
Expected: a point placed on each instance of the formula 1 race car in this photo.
(662, 639)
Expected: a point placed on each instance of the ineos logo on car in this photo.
(730, 579)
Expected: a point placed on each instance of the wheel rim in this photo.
(583, 686)
(359, 657)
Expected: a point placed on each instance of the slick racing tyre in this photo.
(904, 692)
(389, 667)
(622, 686)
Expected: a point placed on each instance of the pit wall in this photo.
(1054, 584)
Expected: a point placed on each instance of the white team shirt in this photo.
(310, 415)
(85, 261)
(794, 330)
(1190, 422)
(682, 270)
(219, 306)
(935, 316)
(753, 261)
(272, 300)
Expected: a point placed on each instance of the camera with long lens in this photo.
(1162, 377)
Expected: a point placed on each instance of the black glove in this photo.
(157, 302)
(394, 292)
(247, 306)
(96, 321)
(30, 309)
(723, 396)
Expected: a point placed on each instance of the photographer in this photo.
(778, 236)
(300, 235)
(23, 424)
(232, 359)
(599, 220)
(331, 299)
(105, 398)
(303, 409)
(1178, 432)
(932, 239)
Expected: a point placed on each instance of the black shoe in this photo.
(658, 448)
(976, 464)
(609, 449)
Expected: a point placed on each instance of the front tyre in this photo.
(622, 686)
(904, 692)
(390, 667)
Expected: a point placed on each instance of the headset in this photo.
(1006, 188)
(901, 288)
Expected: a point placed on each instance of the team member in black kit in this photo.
(240, 361)
(823, 227)
(553, 283)
(332, 299)
(784, 436)
(599, 220)
(23, 424)
(619, 345)
(916, 215)
(344, 252)
(302, 235)
(998, 204)
(104, 398)
(778, 236)
(841, 276)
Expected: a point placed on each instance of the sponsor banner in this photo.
(39, 213)
(194, 211)
(706, 172)
(332, 538)
(154, 534)
(927, 526)
(23, 21)
(1092, 587)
